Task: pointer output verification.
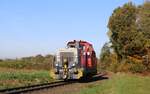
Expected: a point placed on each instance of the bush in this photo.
(133, 65)
(137, 68)
(38, 62)
(123, 67)
(113, 67)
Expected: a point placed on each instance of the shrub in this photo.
(137, 68)
(113, 67)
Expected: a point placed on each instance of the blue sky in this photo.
(31, 27)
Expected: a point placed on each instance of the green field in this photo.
(121, 84)
(15, 78)
(25, 71)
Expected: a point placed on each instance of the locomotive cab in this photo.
(66, 64)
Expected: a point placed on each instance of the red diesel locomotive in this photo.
(77, 60)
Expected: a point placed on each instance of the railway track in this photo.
(26, 89)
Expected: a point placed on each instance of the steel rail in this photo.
(19, 90)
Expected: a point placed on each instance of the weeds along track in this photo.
(20, 90)
(38, 87)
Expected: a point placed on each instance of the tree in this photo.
(129, 33)
(105, 52)
(39, 59)
(1, 60)
(105, 55)
(124, 35)
(144, 19)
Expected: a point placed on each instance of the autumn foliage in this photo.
(129, 34)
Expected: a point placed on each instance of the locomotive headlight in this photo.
(73, 65)
(56, 65)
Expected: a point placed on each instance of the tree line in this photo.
(33, 62)
(129, 34)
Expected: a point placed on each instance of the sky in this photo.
(31, 27)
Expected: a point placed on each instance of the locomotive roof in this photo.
(80, 42)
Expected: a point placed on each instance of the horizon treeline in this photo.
(31, 62)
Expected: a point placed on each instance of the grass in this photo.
(121, 84)
(14, 78)
(14, 64)
(26, 64)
